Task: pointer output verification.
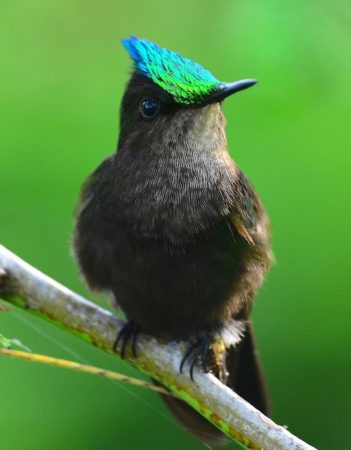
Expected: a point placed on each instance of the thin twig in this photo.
(84, 368)
(26, 287)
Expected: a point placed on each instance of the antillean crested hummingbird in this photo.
(172, 227)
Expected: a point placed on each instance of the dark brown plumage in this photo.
(171, 226)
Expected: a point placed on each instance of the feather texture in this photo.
(185, 80)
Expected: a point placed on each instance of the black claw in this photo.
(118, 338)
(198, 351)
(204, 362)
(189, 351)
(192, 366)
(135, 335)
(124, 345)
(128, 332)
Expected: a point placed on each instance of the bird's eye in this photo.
(149, 108)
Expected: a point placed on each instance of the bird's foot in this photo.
(128, 333)
(198, 351)
(220, 367)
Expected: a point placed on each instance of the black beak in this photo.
(227, 89)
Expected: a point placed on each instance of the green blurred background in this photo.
(63, 72)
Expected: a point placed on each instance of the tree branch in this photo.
(28, 288)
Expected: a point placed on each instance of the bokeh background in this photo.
(62, 75)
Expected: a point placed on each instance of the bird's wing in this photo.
(249, 222)
(248, 217)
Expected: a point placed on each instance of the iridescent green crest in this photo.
(187, 81)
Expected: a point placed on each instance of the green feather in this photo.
(185, 80)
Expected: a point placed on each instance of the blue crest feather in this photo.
(186, 80)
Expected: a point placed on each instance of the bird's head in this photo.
(171, 101)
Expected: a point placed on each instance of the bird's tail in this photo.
(245, 378)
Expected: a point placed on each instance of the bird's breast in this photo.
(174, 196)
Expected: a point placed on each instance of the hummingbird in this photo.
(171, 226)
